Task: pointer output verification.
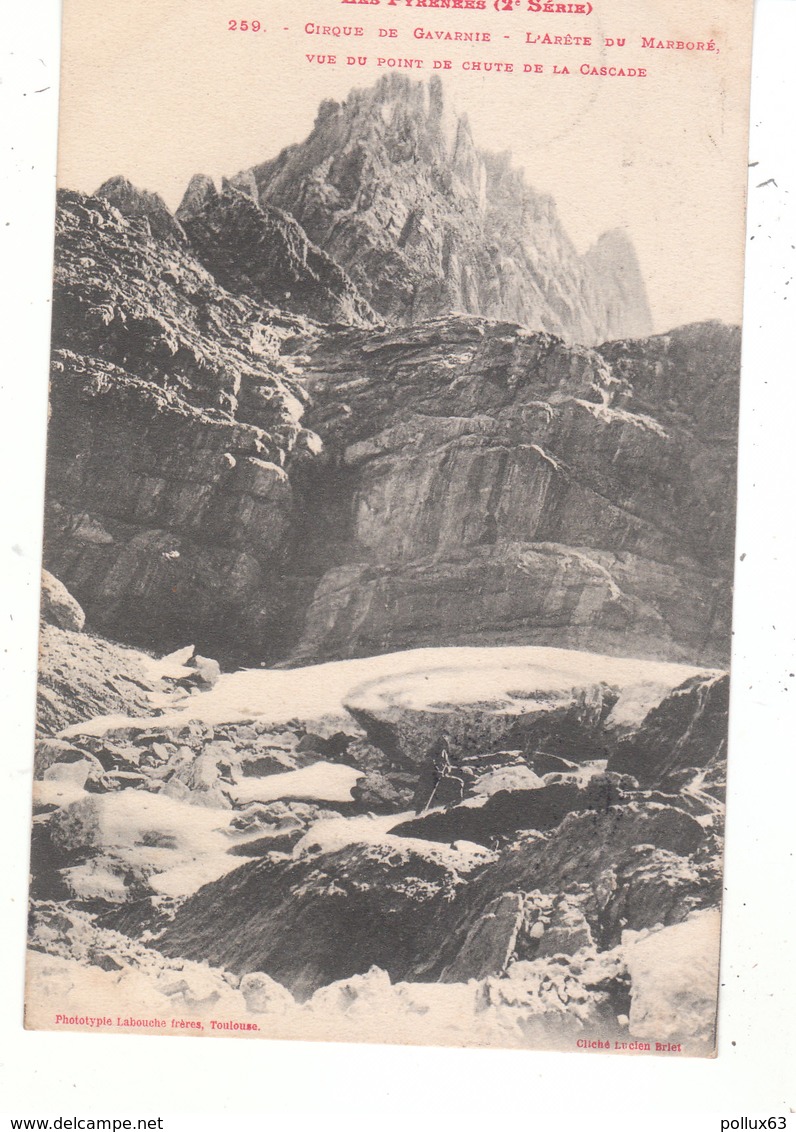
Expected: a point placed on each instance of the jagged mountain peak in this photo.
(615, 239)
(392, 185)
(134, 202)
(613, 261)
(393, 94)
(120, 189)
(201, 193)
(397, 122)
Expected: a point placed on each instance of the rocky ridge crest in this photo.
(392, 185)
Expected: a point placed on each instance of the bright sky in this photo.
(158, 91)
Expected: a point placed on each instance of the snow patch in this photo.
(418, 679)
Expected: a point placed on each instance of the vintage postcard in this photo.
(389, 521)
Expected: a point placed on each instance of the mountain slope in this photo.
(391, 184)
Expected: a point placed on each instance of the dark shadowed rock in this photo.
(325, 916)
(686, 733)
(380, 793)
(263, 253)
(309, 921)
(507, 812)
(490, 943)
(632, 867)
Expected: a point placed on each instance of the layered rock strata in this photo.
(459, 482)
(173, 411)
(495, 486)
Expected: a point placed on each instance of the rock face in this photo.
(143, 303)
(391, 185)
(507, 812)
(166, 515)
(226, 469)
(261, 252)
(495, 486)
(680, 739)
(180, 533)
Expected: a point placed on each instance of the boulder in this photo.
(76, 772)
(58, 607)
(503, 703)
(49, 751)
(490, 943)
(567, 933)
(383, 794)
(256, 765)
(208, 670)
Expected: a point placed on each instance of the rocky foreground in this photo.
(257, 848)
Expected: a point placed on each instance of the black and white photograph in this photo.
(389, 528)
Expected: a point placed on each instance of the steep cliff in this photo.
(488, 485)
(224, 472)
(392, 185)
(166, 516)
